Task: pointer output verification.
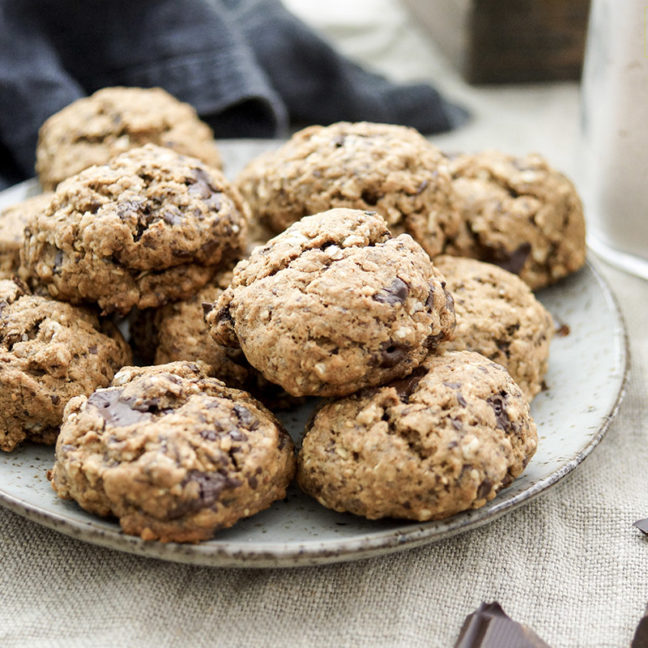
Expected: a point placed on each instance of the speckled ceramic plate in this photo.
(585, 384)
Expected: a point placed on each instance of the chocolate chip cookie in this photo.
(12, 224)
(392, 170)
(49, 352)
(499, 317)
(334, 304)
(151, 226)
(520, 214)
(172, 453)
(445, 439)
(95, 129)
(178, 331)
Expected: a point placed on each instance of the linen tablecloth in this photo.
(569, 563)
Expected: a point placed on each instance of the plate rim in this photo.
(282, 555)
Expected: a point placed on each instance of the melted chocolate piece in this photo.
(429, 302)
(484, 488)
(115, 411)
(172, 216)
(640, 639)
(58, 260)
(405, 387)
(501, 417)
(563, 330)
(642, 525)
(246, 417)
(515, 262)
(391, 355)
(211, 485)
(490, 627)
(395, 293)
(207, 308)
(432, 341)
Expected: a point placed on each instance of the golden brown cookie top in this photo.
(174, 454)
(50, 351)
(334, 304)
(392, 170)
(92, 130)
(149, 227)
(444, 439)
(521, 214)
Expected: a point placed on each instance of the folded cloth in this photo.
(249, 67)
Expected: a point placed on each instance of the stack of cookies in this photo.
(370, 282)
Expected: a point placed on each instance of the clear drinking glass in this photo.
(615, 133)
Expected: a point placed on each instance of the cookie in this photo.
(334, 304)
(392, 170)
(151, 226)
(95, 129)
(446, 439)
(520, 214)
(172, 453)
(499, 317)
(12, 224)
(49, 352)
(178, 331)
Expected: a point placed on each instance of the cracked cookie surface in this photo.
(151, 226)
(445, 439)
(12, 223)
(92, 130)
(49, 352)
(521, 214)
(334, 304)
(499, 317)
(172, 453)
(392, 170)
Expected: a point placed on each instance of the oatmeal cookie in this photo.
(49, 352)
(151, 226)
(172, 453)
(334, 304)
(499, 317)
(392, 170)
(445, 439)
(520, 214)
(95, 129)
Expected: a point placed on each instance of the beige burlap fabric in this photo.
(569, 564)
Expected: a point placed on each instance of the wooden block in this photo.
(499, 41)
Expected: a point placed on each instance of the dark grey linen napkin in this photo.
(249, 67)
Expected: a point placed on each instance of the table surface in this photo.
(569, 564)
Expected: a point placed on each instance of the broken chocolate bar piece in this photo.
(490, 627)
(640, 639)
(642, 525)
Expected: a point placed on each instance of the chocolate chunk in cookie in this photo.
(172, 453)
(95, 129)
(49, 352)
(151, 226)
(446, 439)
(392, 170)
(334, 304)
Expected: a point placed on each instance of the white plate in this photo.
(586, 379)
